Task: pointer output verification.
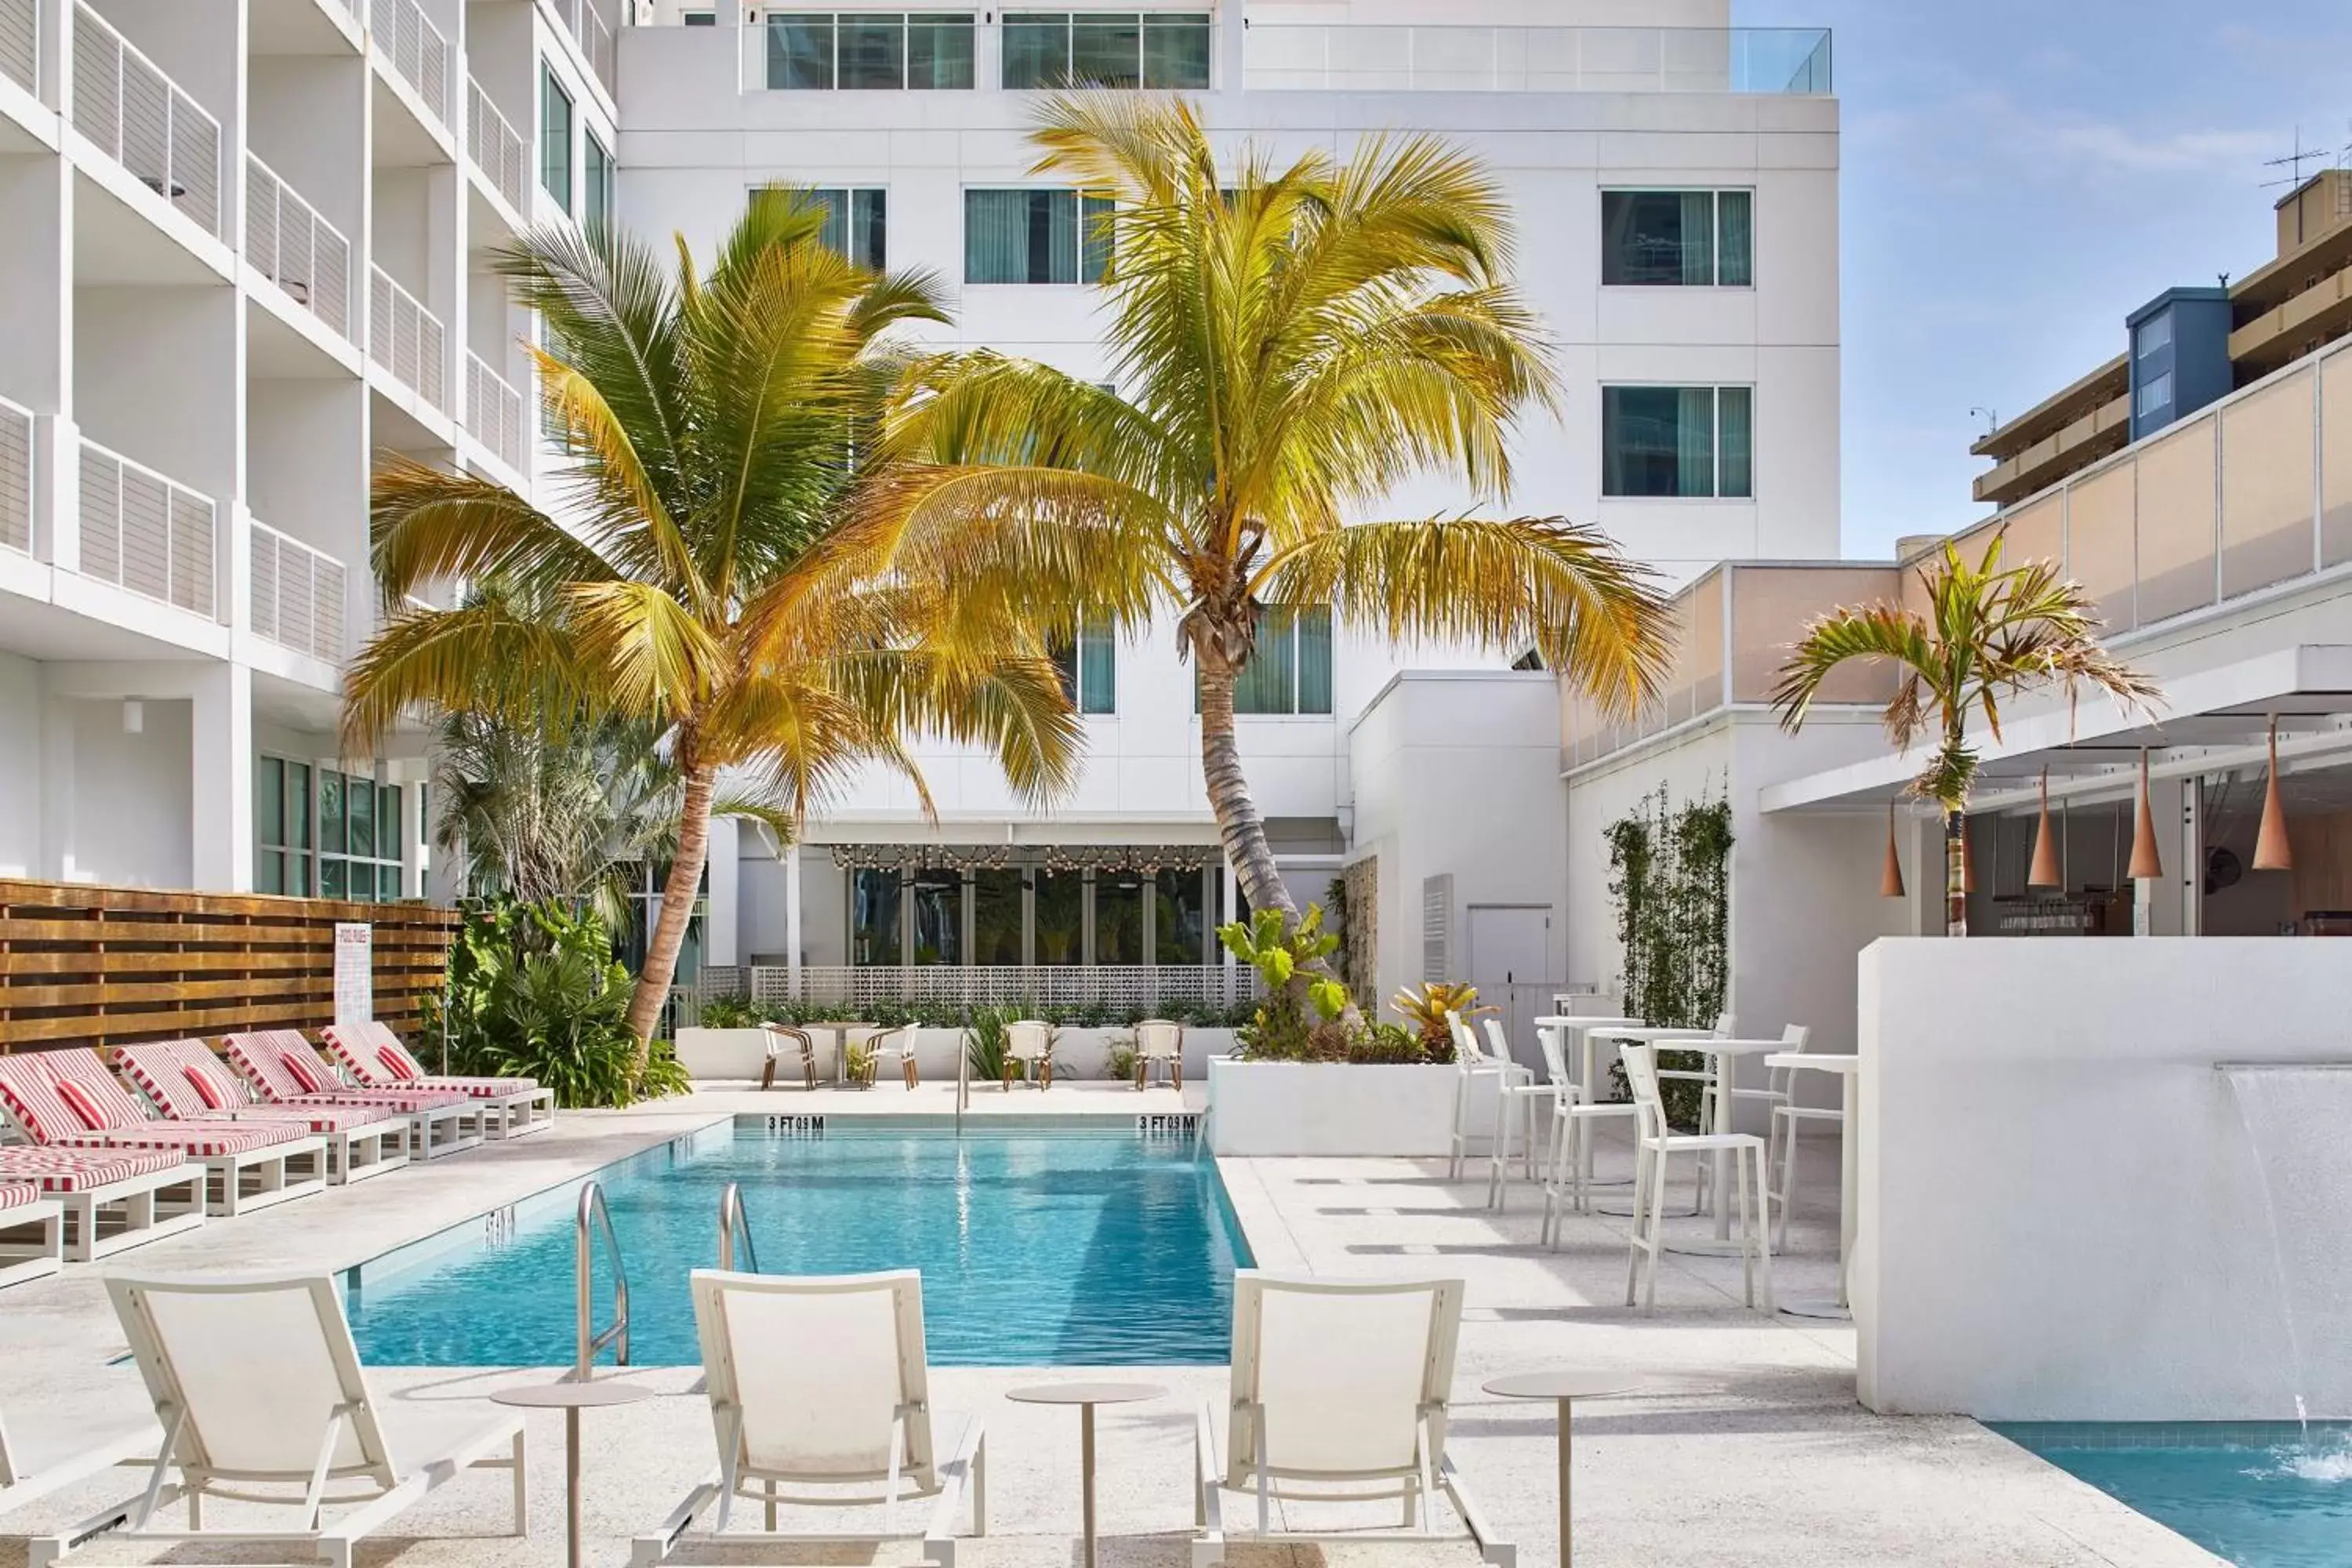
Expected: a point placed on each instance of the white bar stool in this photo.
(1656, 1144)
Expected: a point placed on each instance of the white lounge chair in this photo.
(374, 1059)
(111, 1198)
(1344, 1384)
(20, 1485)
(855, 1413)
(191, 1084)
(258, 1390)
(32, 1244)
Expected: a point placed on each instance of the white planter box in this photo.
(716, 1055)
(712, 1054)
(1258, 1109)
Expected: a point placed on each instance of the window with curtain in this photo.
(873, 935)
(864, 52)
(1089, 669)
(857, 223)
(1036, 237)
(554, 137)
(1290, 669)
(1048, 49)
(595, 181)
(1678, 238)
(1678, 441)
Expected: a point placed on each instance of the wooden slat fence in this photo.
(108, 966)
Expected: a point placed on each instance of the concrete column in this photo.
(718, 932)
(221, 785)
(2159, 906)
(792, 919)
(57, 494)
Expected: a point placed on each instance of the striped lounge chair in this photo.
(112, 1198)
(374, 1057)
(68, 1098)
(192, 1084)
(284, 1070)
(32, 1235)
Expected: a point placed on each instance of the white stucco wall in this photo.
(2062, 1214)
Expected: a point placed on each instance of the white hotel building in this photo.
(248, 251)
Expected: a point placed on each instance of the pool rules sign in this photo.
(354, 972)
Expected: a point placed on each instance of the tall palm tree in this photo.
(703, 580)
(1989, 632)
(1288, 345)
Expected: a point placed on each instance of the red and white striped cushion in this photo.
(79, 1170)
(257, 1055)
(198, 1140)
(182, 1076)
(341, 1116)
(398, 1062)
(28, 1091)
(16, 1194)
(91, 1109)
(376, 1059)
(304, 1074)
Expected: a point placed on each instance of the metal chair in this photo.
(782, 1037)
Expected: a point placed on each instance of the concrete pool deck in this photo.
(1748, 1448)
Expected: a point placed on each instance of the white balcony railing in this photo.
(493, 410)
(498, 147)
(405, 337)
(142, 532)
(416, 49)
(298, 595)
(140, 117)
(593, 35)
(296, 249)
(15, 477)
(20, 43)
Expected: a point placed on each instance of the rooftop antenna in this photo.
(2292, 163)
(1992, 420)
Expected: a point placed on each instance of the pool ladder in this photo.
(732, 1225)
(593, 1217)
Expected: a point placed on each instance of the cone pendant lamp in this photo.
(1890, 879)
(2272, 850)
(2044, 872)
(2146, 862)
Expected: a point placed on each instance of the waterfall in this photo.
(2297, 1119)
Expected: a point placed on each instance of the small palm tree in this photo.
(1288, 345)
(703, 580)
(1990, 633)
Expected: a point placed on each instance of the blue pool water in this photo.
(2261, 1494)
(1039, 1248)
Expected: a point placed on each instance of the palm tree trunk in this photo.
(1239, 825)
(1955, 870)
(677, 909)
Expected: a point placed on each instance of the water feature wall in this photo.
(2067, 1213)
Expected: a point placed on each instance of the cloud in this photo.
(2113, 145)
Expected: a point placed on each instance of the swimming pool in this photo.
(1041, 1247)
(2263, 1494)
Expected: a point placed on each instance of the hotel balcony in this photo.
(297, 595)
(498, 149)
(494, 412)
(406, 338)
(416, 49)
(295, 248)
(144, 531)
(126, 105)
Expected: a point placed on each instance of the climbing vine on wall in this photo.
(1671, 883)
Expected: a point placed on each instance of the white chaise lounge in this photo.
(32, 1244)
(1343, 1385)
(192, 1084)
(67, 1099)
(20, 1485)
(259, 1393)
(111, 1198)
(374, 1057)
(853, 1416)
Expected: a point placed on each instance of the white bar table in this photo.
(1564, 1386)
(1849, 1071)
(1726, 1053)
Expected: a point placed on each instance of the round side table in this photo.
(1563, 1385)
(571, 1398)
(1086, 1396)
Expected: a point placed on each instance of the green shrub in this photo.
(984, 1042)
(734, 1013)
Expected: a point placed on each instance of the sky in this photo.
(2017, 177)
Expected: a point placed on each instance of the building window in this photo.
(647, 878)
(1180, 923)
(936, 900)
(359, 837)
(1289, 670)
(281, 827)
(2155, 394)
(857, 224)
(1099, 48)
(1089, 669)
(2153, 334)
(554, 138)
(1036, 236)
(1685, 239)
(1061, 916)
(822, 51)
(874, 916)
(997, 901)
(595, 184)
(1119, 915)
(701, 19)
(1678, 441)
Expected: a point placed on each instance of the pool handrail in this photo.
(591, 1209)
(733, 1222)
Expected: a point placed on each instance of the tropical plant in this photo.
(704, 581)
(1288, 345)
(985, 1041)
(1305, 1014)
(1989, 632)
(1427, 1010)
(1119, 1060)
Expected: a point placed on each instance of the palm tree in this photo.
(1288, 343)
(1990, 633)
(703, 580)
